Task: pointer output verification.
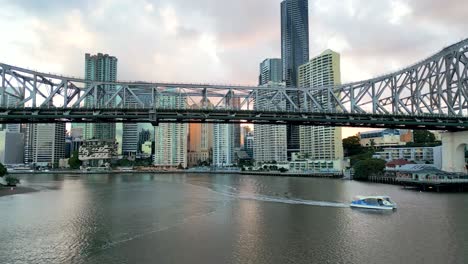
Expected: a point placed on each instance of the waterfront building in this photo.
(294, 52)
(270, 141)
(11, 147)
(223, 145)
(97, 152)
(100, 68)
(320, 142)
(200, 144)
(386, 137)
(44, 144)
(271, 70)
(420, 155)
(170, 147)
(130, 139)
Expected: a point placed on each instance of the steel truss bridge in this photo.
(431, 94)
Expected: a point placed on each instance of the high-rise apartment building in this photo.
(170, 148)
(270, 141)
(100, 68)
(223, 145)
(271, 70)
(44, 143)
(318, 142)
(200, 142)
(294, 52)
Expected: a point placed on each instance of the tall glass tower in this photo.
(294, 53)
(294, 38)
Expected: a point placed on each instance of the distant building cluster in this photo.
(176, 145)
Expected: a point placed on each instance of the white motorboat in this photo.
(374, 202)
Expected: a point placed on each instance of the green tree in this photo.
(352, 146)
(3, 170)
(423, 136)
(368, 167)
(74, 161)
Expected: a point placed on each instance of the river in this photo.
(196, 218)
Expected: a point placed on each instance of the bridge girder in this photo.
(436, 86)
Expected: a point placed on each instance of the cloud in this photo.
(222, 41)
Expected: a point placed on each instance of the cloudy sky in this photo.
(221, 41)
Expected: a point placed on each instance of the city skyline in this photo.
(204, 34)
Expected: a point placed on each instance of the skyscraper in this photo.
(170, 147)
(270, 141)
(100, 68)
(200, 142)
(294, 52)
(130, 139)
(223, 145)
(321, 143)
(294, 38)
(44, 143)
(271, 70)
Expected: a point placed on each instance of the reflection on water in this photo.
(225, 219)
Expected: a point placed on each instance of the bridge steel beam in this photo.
(433, 90)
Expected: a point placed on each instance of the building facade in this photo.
(130, 139)
(319, 142)
(386, 138)
(294, 52)
(200, 144)
(419, 155)
(170, 147)
(101, 68)
(97, 152)
(44, 144)
(224, 145)
(11, 148)
(249, 143)
(270, 141)
(271, 70)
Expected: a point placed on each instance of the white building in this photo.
(11, 148)
(223, 145)
(44, 143)
(170, 148)
(420, 155)
(270, 141)
(321, 143)
(97, 153)
(386, 138)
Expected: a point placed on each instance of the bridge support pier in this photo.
(453, 151)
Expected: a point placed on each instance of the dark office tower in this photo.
(294, 53)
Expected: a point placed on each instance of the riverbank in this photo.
(5, 191)
(251, 173)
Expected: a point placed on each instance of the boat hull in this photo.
(386, 208)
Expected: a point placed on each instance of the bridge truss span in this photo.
(430, 94)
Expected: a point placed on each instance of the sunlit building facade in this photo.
(319, 142)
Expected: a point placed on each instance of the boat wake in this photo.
(231, 192)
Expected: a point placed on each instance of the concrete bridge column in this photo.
(453, 151)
